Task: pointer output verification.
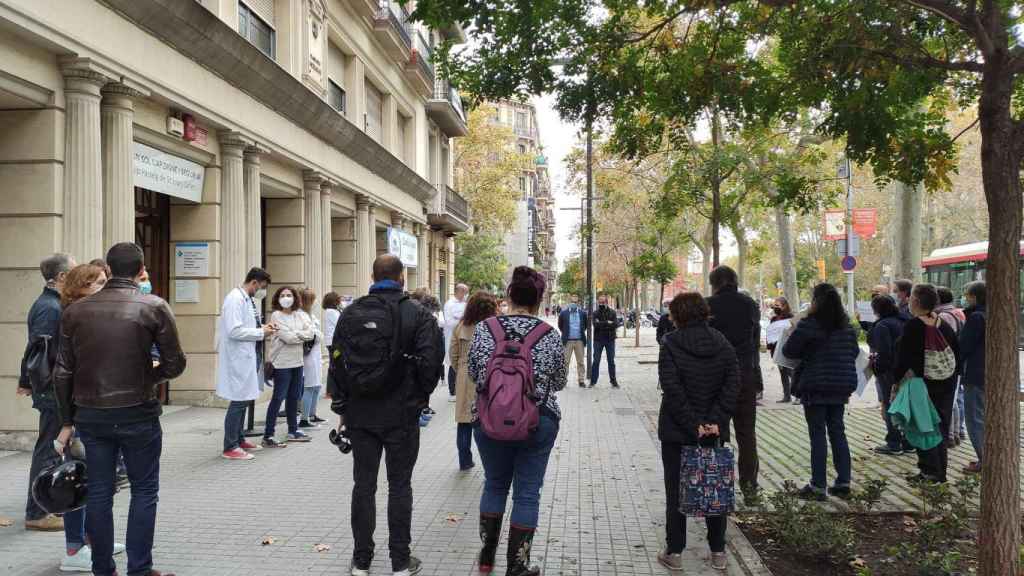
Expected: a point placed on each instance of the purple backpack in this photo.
(506, 403)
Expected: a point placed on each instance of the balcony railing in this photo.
(524, 131)
(398, 16)
(424, 54)
(456, 205)
(443, 90)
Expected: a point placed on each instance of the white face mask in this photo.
(286, 302)
(260, 294)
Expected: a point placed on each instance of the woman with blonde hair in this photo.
(312, 363)
(481, 306)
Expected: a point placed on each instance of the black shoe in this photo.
(809, 492)
(751, 495)
(582, 385)
(490, 534)
(615, 384)
(520, 541)
(922, 477)
(414, 566)
(307, 424)
(887, 450)
(273, 443)
(317, 420)
(469, 466)
(841, 492)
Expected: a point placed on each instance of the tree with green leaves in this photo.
(570, 280)
(480, 261)
(882, 73)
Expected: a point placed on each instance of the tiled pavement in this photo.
(601, 514)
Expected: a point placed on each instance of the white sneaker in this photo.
(359, 571)
(451, 398)
(118, 548)
(81, 561)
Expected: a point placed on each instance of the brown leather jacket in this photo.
(104, 358)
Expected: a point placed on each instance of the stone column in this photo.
(423, 264)
(371, 244)
(253, 216)
(83, 165)
(313, 260)
(117, 114)
(232, 210)
(327, 230)
(363, 263)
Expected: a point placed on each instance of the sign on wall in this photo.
(316, 42)
(403, 245)
(186, 291)
(192, 259)
(165, 173)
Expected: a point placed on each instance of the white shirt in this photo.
(239, 333)
(453, 312)
(331, 316)
(775, 330)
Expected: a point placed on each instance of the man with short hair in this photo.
(737, 317)
(379, 401)
(903, 288)
(606, 325)
(665, 325)
(572, 323)
(240, 359)
(972, 351)
(105, 382)
(453, 311)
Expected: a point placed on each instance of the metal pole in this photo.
(851, 304)
(590, 235)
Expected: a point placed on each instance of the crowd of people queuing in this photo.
(112, 343)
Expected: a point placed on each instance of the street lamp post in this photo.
(590, 234)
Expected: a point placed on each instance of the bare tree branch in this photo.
(964, 131)
(922, 61)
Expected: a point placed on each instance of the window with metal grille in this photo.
(336, 96)
(374, 112)
(255, 30)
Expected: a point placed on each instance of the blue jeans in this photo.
(606, 344)
(234, 424)
(310, 396)
(517, 465)
(974, 408)
(827, 420)
(464, 442)
(287, 389)
(141, 444)
(44, 456)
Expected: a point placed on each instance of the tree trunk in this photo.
(908, 244)
(999, 525)
(742, 246)
(716, 190)
(787, 258)
(636, 325)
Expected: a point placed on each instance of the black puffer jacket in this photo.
(700, 381)
(828, 362)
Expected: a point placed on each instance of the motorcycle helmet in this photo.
(61, 488)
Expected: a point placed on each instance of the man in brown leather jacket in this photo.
(106, 387)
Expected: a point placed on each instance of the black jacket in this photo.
(882, 339)
(665, 326)
(43, 320)
(828, 362)
(563, 324)
(423, 340)
(972, 347)
(910, 353)
(738, 318)
(606, 323)
(700, 383)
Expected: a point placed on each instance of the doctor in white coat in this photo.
(239, 359)
(453, 311)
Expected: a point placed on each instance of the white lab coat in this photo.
(453, 312)
(312, 363)
(238, 376)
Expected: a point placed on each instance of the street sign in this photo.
(865, 221)
(835, 224)
(854, 249)
(849, 263)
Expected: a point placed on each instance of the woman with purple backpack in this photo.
(517, 363)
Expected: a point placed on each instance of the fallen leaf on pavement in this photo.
(322, 547)
(858, 562)
(267, 541)
(5, 521)
(453, 519)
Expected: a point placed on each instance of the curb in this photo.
(744, 553)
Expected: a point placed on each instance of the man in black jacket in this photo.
(387, 422)
(44, 322)
(737, 316)
(665, 325)
(606, 325)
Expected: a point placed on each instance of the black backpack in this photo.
(39, 361)
(370, 334)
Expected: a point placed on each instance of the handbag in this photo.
(778, 357)
(268, 369)
(939, 358)
(707, 481)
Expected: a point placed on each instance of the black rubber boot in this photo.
(490, 534)
(519, 542)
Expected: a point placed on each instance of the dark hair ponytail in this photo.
(527, 287)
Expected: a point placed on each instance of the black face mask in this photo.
(777, 311)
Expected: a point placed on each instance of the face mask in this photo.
(261, 293)
(146, 287)
(286, 302)
(777, 310)
(572, 306)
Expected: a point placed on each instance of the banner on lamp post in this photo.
(865, 222)
(835, 224)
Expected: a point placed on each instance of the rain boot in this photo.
(490, 534)
(519, 542)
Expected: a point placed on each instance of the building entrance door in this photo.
(153, 235)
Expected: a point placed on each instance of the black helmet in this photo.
(61, 488)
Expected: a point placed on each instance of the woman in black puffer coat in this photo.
(826, 345)
(699, 377)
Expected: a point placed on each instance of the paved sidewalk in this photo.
(602, 511)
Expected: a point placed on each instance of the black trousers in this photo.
(43, 454)
(935, 462)
(745, 423)
(400, 447)
(675, 521)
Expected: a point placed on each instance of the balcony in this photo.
(449, 212)
(524, 131)
(391, 26)
(420, 67)
(445, 109)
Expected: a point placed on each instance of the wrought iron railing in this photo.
(424, 54)
(443, 90)
(398, 16)
(456, 205)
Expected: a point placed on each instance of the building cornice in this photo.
(194, 31)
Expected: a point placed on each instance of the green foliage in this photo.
(868, 495)
(480, 261)
(571, 280)
(807, 529)
(944, 518)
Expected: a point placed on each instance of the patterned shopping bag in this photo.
(707, 481)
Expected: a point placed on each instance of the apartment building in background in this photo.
(531, 242)
(304, 136)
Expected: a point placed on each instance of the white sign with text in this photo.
(165, 173)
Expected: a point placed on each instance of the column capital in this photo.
(396, 219)
(362, 202)
(327, 187)
(312, 179)
(253, 152)
(232, 143)
(117, 89)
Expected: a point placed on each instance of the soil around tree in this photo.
(875, 535)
